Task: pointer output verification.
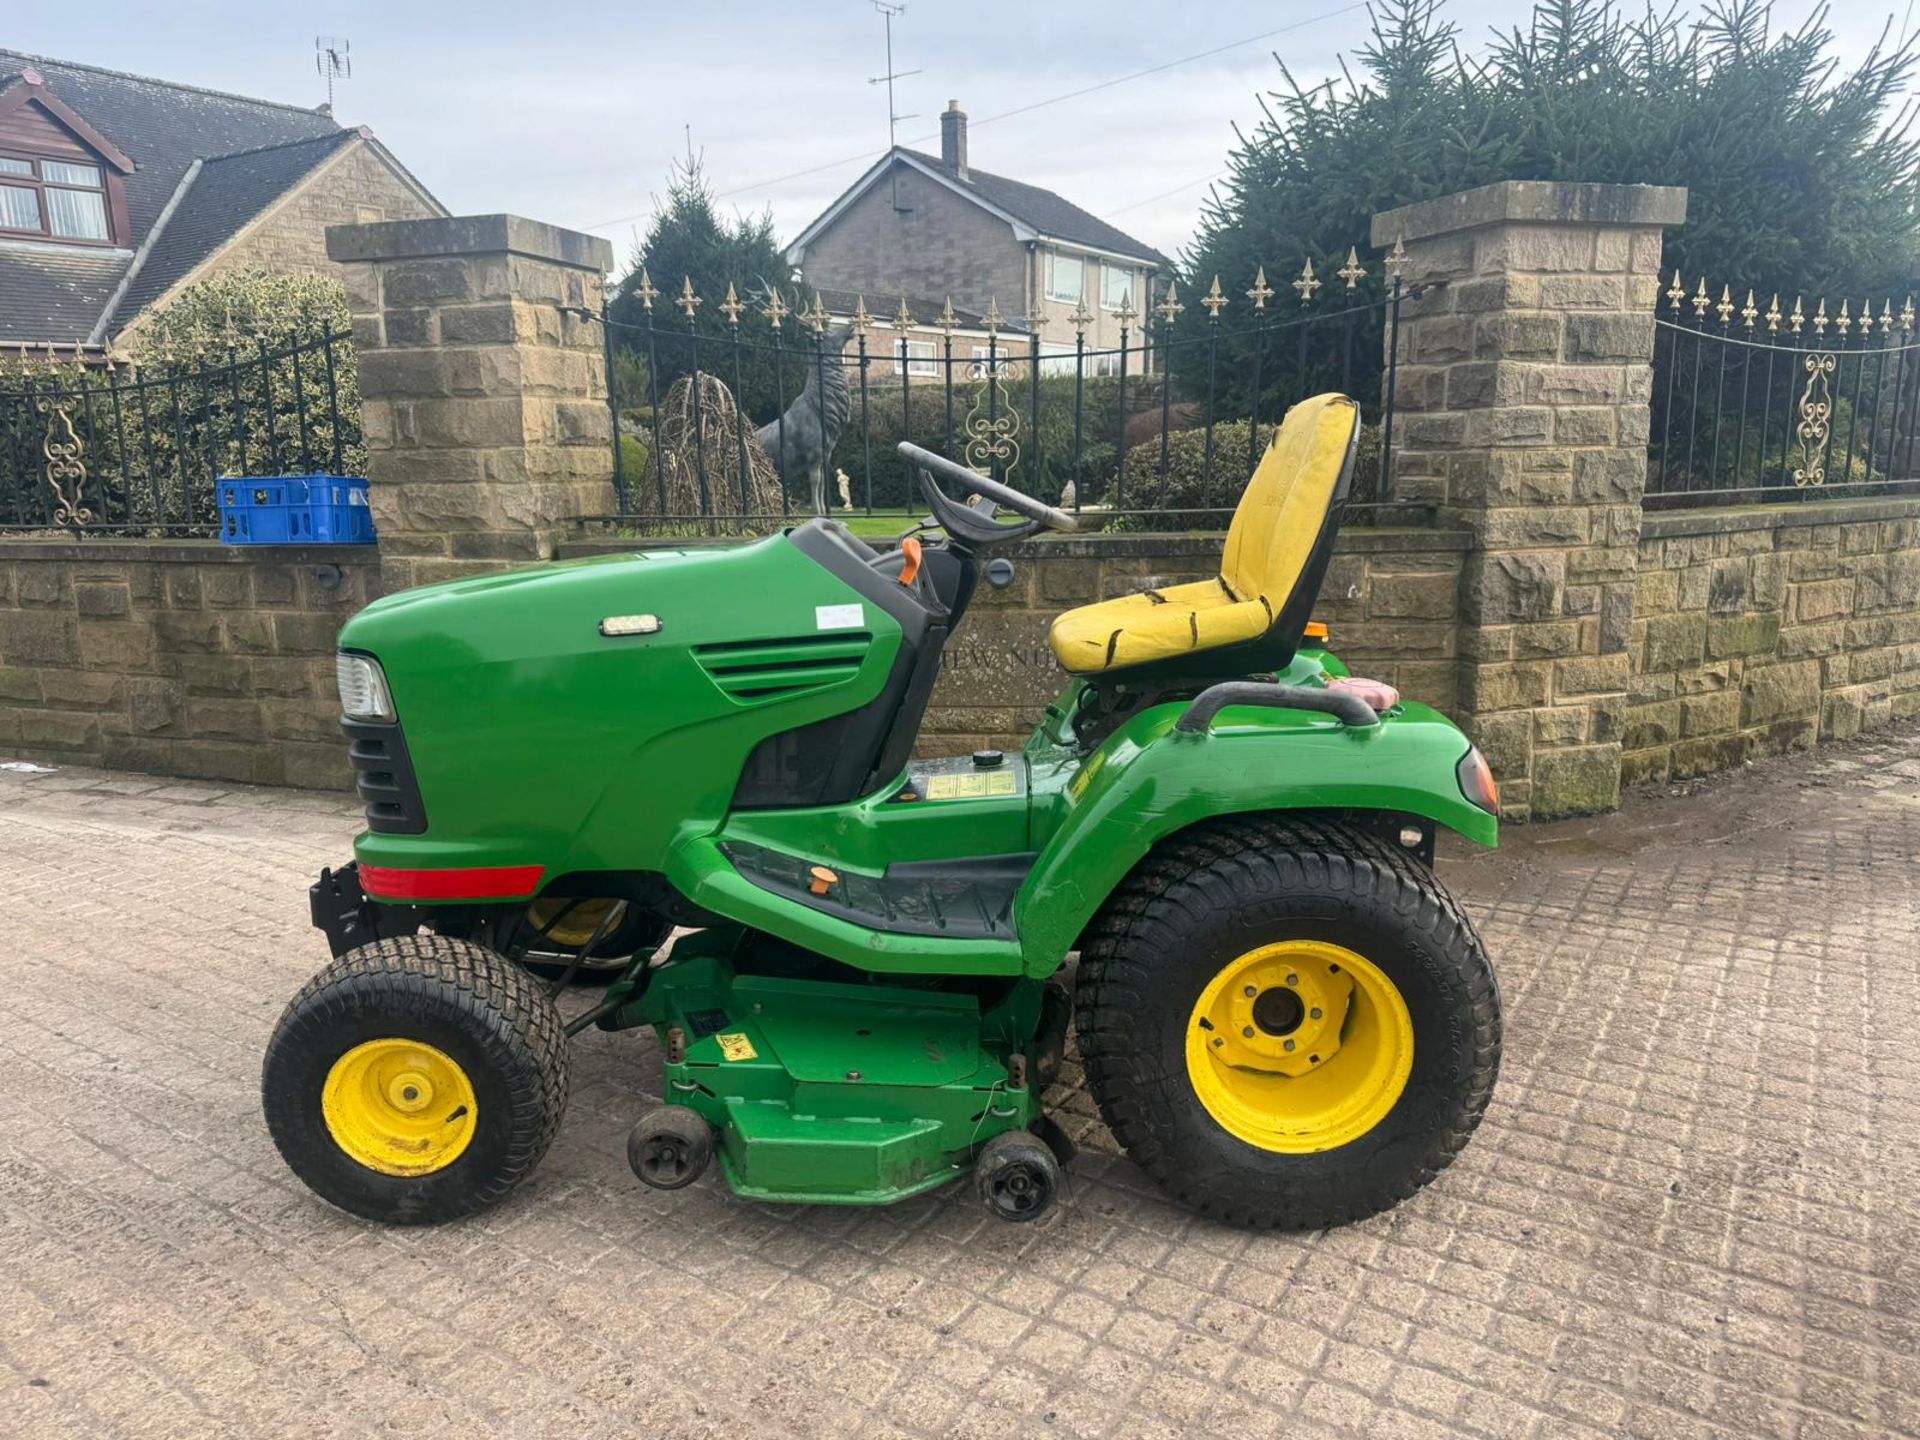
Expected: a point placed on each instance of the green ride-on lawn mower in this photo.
(686, 775)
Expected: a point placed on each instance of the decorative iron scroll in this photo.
(66, 465)
(990, 426)
(1816, 420)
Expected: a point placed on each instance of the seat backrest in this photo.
(1280, 518)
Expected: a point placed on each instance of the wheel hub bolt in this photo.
(1247, 1030)
(1286, 1045)
(1293, 979)
(1252, 991)
(1315, 1012)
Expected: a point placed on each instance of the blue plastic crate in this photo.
(295, 510)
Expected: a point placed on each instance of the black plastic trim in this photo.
(383, 774)
(969, 898)
(1199, 715)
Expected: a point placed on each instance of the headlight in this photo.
(1477, 782)
(363, 689)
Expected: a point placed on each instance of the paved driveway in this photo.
(1692, 1209)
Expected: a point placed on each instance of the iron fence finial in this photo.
(732, 306)
(1676, 292)
(1170, 307)
(1749, 312)
(775, 308)
(1700, 300)
(1306, 284)
(948, 321)
(1774, 316)
(1080, 319)
(1214, 300)
(1797, 318)
(862, 321)
(688, 301)
(903, 319)
(1353, 272)
(1261, 291)
(1820, 317)
(646, 290)
(1397, 259)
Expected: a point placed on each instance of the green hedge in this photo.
(1187, 483)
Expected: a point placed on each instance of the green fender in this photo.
(1150, 780)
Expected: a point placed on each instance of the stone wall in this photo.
(1525, 371)
(178, 657)
(483, 388)
(1767, 628)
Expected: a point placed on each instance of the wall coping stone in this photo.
(191, 552)
(1088, 547)
(1674, 524)
(469, 235)
(1552, 202)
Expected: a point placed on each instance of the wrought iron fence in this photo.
(138, 449)
(1751, 405)
(1162, 429)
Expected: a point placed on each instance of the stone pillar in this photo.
(1525, 373)
(483, 392)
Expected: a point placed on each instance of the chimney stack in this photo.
(953, 140)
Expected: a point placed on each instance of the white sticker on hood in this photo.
(839, 617)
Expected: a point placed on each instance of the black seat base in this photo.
(961, 899)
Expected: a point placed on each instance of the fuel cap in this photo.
(987, 759)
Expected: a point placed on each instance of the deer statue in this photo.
(801, 440)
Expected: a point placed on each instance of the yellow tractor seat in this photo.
(1270, 572)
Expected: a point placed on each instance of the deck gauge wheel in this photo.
(1017, 1176)
(670, 1147)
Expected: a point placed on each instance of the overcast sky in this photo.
(571, 112)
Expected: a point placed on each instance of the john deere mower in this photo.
(688, 776)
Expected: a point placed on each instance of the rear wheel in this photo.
(1287, 1022)
(416, 1079)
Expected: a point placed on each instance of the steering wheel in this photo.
(975, 528)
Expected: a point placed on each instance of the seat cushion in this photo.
(1279, 518)
(1154, 625)
(1277, 524)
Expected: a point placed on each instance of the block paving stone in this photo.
(1691, 1210)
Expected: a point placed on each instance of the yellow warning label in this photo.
(737, 1047)
(977, 785)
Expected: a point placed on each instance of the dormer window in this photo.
(59, 199)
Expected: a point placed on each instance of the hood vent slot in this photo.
(758, 671)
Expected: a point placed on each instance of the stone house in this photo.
(117, 191)
(933, 226)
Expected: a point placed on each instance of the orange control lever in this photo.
(909, 572)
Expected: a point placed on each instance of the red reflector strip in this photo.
(497, 882)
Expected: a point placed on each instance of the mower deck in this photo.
(821, 1089)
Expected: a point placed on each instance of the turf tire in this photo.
(492, 1018)
(1217, 891)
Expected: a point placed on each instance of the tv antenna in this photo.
(887, 12)
(331, 62)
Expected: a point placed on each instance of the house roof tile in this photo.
(1049, 213)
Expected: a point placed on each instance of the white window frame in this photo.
(1054, 292)
(1107, 272)
(1057, 360)
(916, 357)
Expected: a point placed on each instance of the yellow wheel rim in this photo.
(579, 924)
(399, 1107)
(1299, 1047)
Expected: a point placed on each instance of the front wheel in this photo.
(1287, 1022)
(416, 1079)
